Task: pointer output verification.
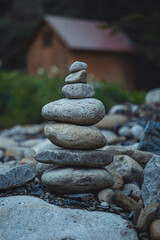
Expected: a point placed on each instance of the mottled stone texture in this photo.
(150, 140)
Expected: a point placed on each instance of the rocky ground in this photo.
(126, 209)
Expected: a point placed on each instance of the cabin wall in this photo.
(40, 56)
(108, 66)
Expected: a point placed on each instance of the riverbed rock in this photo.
(141, 157)
(86, 111)
(6, 142)
(41, 220)
(106, 195)
(124, 131)
(135, 191)
(150, 140)
(118, 181)
(147, 215)
(74, 136)
(20, 152)
(16, 177)
(126, 202)
(150, 187)
(78, 90)
(127, 167)
(111, 137)
(77, 180)
(31, 162)
(70, 157)
(77, 77)
(119, 109)
(111, 121)
(42, 167)
(7, 165)
(137, 131)
(155, 230)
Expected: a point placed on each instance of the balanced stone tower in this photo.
(77, 165)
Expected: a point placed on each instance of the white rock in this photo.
(153, 96)
(124, 131)
(86, 111)
(137, 131)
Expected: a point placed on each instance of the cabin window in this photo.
(47, 39)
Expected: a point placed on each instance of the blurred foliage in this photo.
(114, 93)
(22, 96)
(13, 36)
(141, 21)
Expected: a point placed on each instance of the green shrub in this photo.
(114, 93)
(22, 97)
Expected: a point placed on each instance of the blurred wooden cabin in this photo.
(59, 41)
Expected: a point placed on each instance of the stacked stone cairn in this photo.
(75, 166)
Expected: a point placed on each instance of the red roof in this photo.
(87, 35)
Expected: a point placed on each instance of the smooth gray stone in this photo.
(150, 141)
(74, 136)
(77, 180)
(42, 167)
(86, 111)
(77, 66)
(60, 156)
(128, 168)
(78, 90)
(6, 142)
(77, 77)
(16, 177)
(151, 183)
(7, 165)
(30, 218)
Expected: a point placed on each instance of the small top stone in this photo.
(77, 66)
(77, 77)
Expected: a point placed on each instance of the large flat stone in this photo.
(74, 137)
(95, 158)
(30, 218)
(150, 141)
(78, 90)
(86, 111)
(16, 177)
(77, 180)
